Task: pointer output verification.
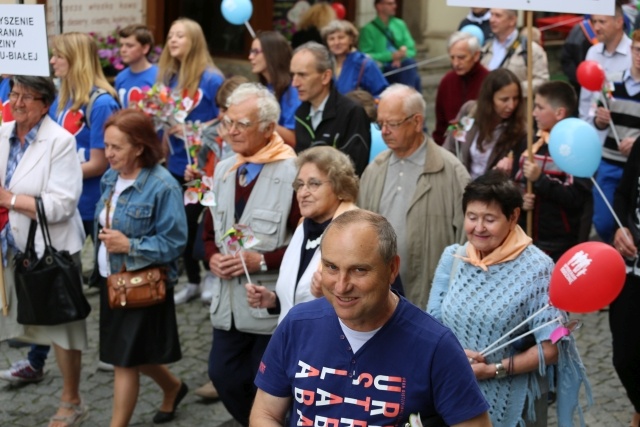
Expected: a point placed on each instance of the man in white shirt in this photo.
(506, 50)
(613, 52)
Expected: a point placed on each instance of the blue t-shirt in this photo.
(372, 79)
(7, 115)
(130, 85)
(413, 364)
(289, 103)
(204, 109)
(86, 139)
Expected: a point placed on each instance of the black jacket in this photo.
(345, 125)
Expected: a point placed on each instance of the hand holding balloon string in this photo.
(575, 147)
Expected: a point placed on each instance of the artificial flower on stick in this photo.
(238, 238)
(169, 108)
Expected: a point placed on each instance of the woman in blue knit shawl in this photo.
(485, 288)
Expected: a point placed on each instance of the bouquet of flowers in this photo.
(199, 191)
(459, 129)
(169, 108)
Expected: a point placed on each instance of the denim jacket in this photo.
(151, 214)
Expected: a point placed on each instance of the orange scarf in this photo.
(516, 242)
(274, 151)
(543, 136)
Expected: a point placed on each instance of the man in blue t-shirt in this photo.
(136, 41)
(364, 355)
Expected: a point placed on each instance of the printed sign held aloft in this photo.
(595, 7)
(23, 40)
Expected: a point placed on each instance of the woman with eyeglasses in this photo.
(187, 68)
(326, 186)
(490, 132)
(270, 56)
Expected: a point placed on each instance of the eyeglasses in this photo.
(241, 126)
(26, 97)
(255, 52)
(392, 125)
(312, 185)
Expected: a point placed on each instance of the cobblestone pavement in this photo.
(33, 404)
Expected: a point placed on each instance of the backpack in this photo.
(95, 94)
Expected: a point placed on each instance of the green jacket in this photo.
(373, 42)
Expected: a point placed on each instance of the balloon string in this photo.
(611, 124)
(417, 64)
(550, 322)
(502, 338)
(624, 230)
(250, 28)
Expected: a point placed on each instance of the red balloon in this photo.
(587, 277)
(339, 9)
(590, 75)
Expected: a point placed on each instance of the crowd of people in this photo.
(384, 262)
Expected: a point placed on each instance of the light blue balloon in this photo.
(475, 31)
(237, 12)
(575, 147)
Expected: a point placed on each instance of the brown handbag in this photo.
(135, 289)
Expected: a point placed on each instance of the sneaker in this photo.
(103, 366)
(21, 372)
(186, 294)
(207, 391)
(206, 288)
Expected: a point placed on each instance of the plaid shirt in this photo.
(16, 151)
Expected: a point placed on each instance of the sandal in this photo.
(79, 414)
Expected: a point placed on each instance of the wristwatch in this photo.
(501, 371)
(263, 264)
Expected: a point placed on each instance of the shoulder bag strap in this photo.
(366, 59)
(42, 218)
(31, 237)
(386, 34)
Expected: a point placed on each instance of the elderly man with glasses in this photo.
(253, 188)
(417, 186)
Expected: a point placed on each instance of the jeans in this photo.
(38, 355)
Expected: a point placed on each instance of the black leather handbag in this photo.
(49, 289)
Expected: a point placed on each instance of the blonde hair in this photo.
(196, 61)
(318, 15)
(85, 71)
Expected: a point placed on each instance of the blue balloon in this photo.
(475, 31)
(237, 12)
(575, 147)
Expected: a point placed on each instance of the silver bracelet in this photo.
(12, 204)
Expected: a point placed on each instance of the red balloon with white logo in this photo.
(590, 75)
(587, 277)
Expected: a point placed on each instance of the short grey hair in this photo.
(472, 41)
(510, 12)
(43, 86)
(337, 166)
(412, 100)
(341, 25)
(266, 102)
(320, 53)
(387, 240)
